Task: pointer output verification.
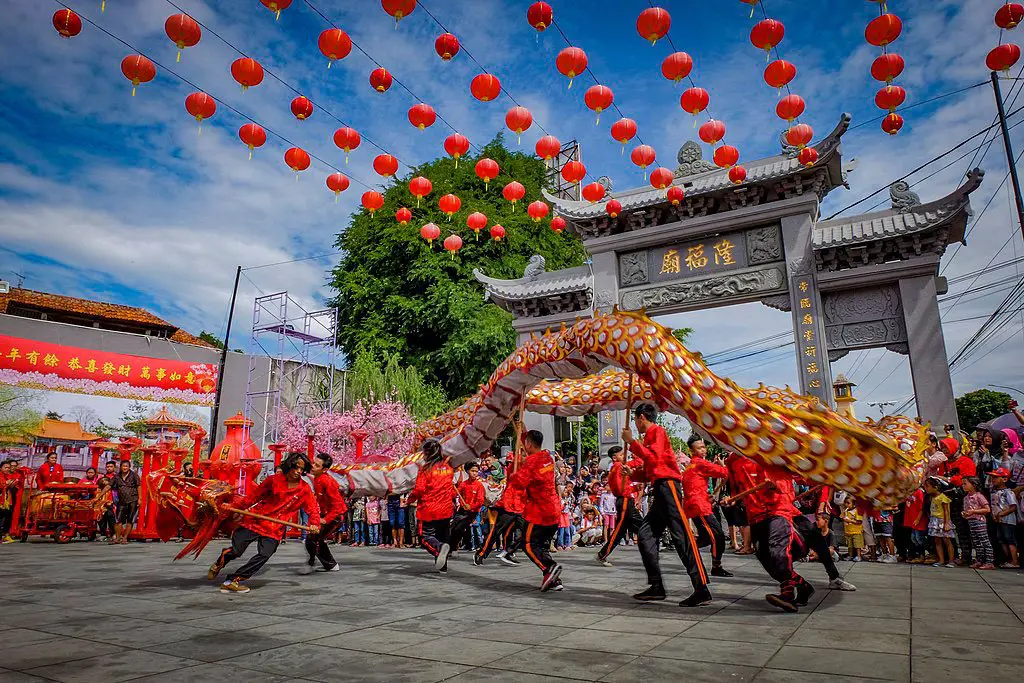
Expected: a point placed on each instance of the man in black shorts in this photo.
(127, 484)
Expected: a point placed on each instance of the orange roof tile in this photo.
(62, 431)
(163, 418)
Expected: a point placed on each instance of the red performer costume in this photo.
(625, 482)
(435, 492)
(536, 479)
(49, 473)
(332, 514)
(697, 502)
(508, 525)
(9, 483)
(471, 499)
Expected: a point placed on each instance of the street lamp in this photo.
(881, 405)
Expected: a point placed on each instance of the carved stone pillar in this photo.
(929, 367)
(606, 281)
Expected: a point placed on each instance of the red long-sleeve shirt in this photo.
(656, 451)
(512, 498)
(696, 501)
(536, 479)
(472, 495)
(328, 497)
(622, 485)
(49, 474)
(435, 491)
(276, 497)
(741, 473)
(773, 501)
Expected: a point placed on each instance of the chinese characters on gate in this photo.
(809, 345)
(673, 263)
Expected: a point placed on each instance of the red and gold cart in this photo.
(63, 511)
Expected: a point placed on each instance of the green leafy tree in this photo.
(370, 383)
(18, 413)
(209, 338)
(398, 296)
(133, 418)
(980, 406)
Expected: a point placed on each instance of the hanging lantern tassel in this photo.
(135, 84)
(103, 6)
(250, 152)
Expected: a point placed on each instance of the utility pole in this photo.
(1009, 151)
(223, 361)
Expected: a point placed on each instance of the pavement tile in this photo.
(484, 675)
(609, 641)
(559, 618)
(781, 676)
(217, 645)
(937, 670)
(960, 648)
(511, 632)
(301, 630)
(379, 639)
(577, 664)
(112, 668)
(861, 641)
(649, 625)
(827, 661)
(718, 630)
(235, 621)
(841, 622)
(205, 673)
(953, 629)
(660, 669)
(19, 677)
(45, 652)
(460, 650)
(360, 667)
(720, 651)
(13, 638)
(297, 659)
(42, 616)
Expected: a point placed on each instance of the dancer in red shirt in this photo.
(623, 483)
(332, 515)
(471, 499)
(697, 502)
(278, 496)
(661, 468)
(536, 479)
(435, 491)
(50, 472)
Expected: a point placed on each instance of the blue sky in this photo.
(109, 196)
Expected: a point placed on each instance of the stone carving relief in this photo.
(534, 268)
(791, 151)
(633, 268)
(721, 287)
(903, 198)
(764, 245)
(860, 305)
(604, 300)
(691, 160)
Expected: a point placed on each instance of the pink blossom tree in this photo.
(389, 425)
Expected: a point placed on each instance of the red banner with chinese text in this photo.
(39, 365)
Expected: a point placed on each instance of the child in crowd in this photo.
(590, 529)
(359, 522)
(385, 524)
(883, 532)
(1004, 514)
(104, 500)
(564, 538)
(853, 528)
(607, 508)
(940, 526)
(976, 509)
(373, 521)
(915, 519)
(868, 553)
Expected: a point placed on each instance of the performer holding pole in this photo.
(536, 479)
(661, 468)
(470, 500)
(697, 503)
(508, 517)
(435, 491)
(622, 484)
(280, 495)
(332, 513)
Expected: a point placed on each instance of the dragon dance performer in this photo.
(471, 499)
(332, 515)
(542, 506)
(279, 496)
(697, 502)
(435, 491)
(624, 485)
(507, 525)
(661, 468)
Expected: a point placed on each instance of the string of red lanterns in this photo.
(881, 32)
(1005, 55)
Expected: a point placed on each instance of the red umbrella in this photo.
(653, 23)
(446, 46)
(571, 62)
(372, 201)
(138, 69)
(335, 44)
(593, 192)
(420, 187)
(302, 108)
(449, 205)
(456, 146)
(513, 192)
(380, 79)
(487, 170)
(347, 139)
(485, 87)
(67, 23)
(548, 147)
(337, 183)
(385, 165)
(538, 210)
(539, 15)
(598, 98)
(183, 31)
(253, 135)
(613, 208)
(518, 119)
(297, 159)
(247, 71)
(422, 115)
(403, 216)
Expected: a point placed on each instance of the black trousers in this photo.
(538, 545)
(963, 531)
(820, 543)
(505, 527)
(6, 517)
(460, 525)
(709, 532)
(434, 534)
(628, 520)
(316, 544)
(106, 523)
(667, 513)
(777, 541)
(241, 539)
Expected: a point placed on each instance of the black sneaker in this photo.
(509, 559)
(656, 592)
(698, 599)
(785, 602)
(477, 560)
(721, 571)
(557, 586)
(803, 594)
(551, 578)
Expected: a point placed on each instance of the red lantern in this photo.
(518, 119)
(449, 205)
(623, 131)
(456, 145)
(537, 210)
(613, 208)
(712, 132)
(485, 87)
(598, 98)
(337, 183)
(420, 187)
(540, 15)
(887, 67)
(767, 33)
(571, 62)
(137, 69)
(302, 108)
(676, 66)
(253, 135)
(247, 71)
(399, 9)
(643, 156)
(661, 178)
(1009, 15)
(883, 30)
(67, 23)
(487, 170)
(548, 147)
(335, 44)
(737, 174)
(790, 107)
(453, 243)
(201, 106)
(276, 6)
(422, 115)
(808, 156)
(446, 46)
(799, 135)
(558, 224)
(890, 97)
(513, 192)
(694, 100)
(1001, 58)
(497, 232)
(297, 159)
(892, 123)
(779, 73)
(573, 172)
(183, 31)
(346, 139)
(403, 216)
(430, 232)
(476, 222)
(675, 195)
(385, 165)
(372, 201)
(593, 192)
(726, 156)
(653, 23)
(380, 79)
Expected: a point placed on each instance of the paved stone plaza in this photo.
(92, 612)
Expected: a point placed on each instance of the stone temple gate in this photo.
(849, 283)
